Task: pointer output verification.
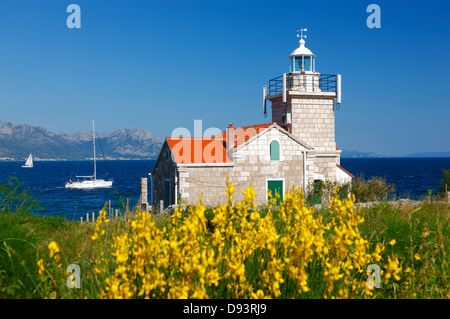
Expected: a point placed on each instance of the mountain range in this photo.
(356, 154)
(17, 141)
(429, 154)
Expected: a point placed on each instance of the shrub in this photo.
(289, 251)
(445, 180)
(374, 188)
(322, 191)
(238, 250)
(14, 198)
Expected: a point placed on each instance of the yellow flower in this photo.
(258, 295)
(239, 247)
(41, 266)
(417, 256)
(393, 269)
(54, 249)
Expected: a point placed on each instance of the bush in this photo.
(237, 250)
(364, 190)
(290, 251)
(14, 198)
(445, 180)
(374, 188)
(321, 192)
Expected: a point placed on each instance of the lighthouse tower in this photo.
(304, 103)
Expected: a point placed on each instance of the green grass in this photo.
(24, 239)
(417, 229)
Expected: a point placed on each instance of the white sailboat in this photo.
(87, 182)
(29, 162)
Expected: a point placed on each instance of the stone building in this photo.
(297, 148)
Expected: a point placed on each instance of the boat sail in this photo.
(29, 162)
(87, 182)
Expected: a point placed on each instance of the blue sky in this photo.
(159, 65)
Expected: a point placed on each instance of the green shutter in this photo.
(276, 187)
(274, 151)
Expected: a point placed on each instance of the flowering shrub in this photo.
(242, 251)
(288, 251)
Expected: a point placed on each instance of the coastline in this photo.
(7, 159)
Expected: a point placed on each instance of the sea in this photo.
(412, 177)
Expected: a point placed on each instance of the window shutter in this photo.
(274, 151)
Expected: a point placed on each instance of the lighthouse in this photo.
(304, 103)
(297, 148)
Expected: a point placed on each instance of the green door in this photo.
(276, 187)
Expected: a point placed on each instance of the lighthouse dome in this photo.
(302, 50)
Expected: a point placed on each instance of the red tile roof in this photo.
(188, 150)
(210, 150)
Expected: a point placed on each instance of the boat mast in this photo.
(93, 138)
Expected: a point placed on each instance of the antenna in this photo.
(338, 89)
(301, 35)
(264, 100)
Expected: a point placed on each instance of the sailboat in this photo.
(29, 162)
(88, 182)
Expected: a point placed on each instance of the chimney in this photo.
(144, 200)
(230, 141)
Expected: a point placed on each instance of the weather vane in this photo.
(301, 35)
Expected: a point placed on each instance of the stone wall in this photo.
(313, 122)
(252, 167)
(325, 163)
(312, 118)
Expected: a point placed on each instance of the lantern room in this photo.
(302, 59)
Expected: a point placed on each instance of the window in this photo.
(274, 151)
(166, 193)
(167, 154)
(307, 63)
(299, 64)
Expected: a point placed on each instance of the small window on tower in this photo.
(167, 154)
(274, 151)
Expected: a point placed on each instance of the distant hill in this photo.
(429, 154)
(356, 154)
(17, 141)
